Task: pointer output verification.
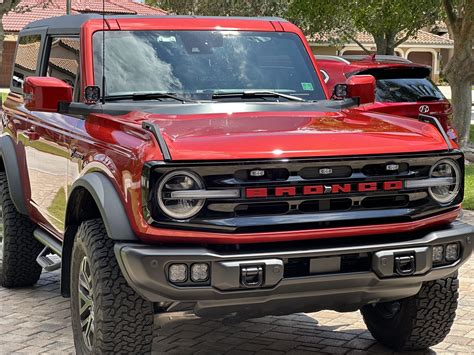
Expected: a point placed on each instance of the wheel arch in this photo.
(92, 196)
(9, 165)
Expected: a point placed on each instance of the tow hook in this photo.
(405, 265)
(251, 276)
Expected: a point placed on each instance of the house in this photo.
(32, 10)
(424, 48)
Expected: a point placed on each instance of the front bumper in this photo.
(322, 283)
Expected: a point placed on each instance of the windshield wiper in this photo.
(255, 94)
(427, 98)
(149, 96)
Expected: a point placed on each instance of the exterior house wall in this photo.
(444, 55)
(324, 50)
(70, 59)
(7, 63)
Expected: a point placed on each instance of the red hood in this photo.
(266, 135)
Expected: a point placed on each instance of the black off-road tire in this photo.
(421, 321)
(18, 266)
(122, 320)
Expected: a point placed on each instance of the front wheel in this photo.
(108, 316)
(417, 322)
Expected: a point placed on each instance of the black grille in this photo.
(288, 211)
(258, 209)
(333, 204)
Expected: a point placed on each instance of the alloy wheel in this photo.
(86, 303)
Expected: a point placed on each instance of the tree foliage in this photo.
(390, 22)
(459, 71)
(223, 7)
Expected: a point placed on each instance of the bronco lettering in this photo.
(305, 190)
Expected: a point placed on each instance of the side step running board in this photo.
(48, 261)
(50, 258)
(48, 240)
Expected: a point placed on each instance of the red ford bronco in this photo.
(402, 87)
(183, 163)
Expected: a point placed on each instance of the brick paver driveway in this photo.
(37, 319)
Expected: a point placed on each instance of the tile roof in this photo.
(421, 37)
(41, 9)
(73, 44)
(424, 37)
(29, 56)
(68, 65)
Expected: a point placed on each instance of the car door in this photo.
(50, 140)
(17, 121)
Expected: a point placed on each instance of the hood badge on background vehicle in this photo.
(424, 109)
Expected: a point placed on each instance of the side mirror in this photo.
(45, 93)
(361, 87)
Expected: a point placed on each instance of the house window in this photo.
(63, 62)
(26, 61)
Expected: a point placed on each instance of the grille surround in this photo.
(221, 214)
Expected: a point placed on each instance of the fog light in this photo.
(178, 272)
(452, 252)
(438, 254)
(340, 91)
(199, 272)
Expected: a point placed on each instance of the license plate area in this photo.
(325, 265)
(300, 267)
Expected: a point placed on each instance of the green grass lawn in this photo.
(3, 95)
(469, 184)
(468, 203)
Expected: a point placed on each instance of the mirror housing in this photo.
(45, 93)
(363, 87)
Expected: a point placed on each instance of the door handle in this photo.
(32, 134)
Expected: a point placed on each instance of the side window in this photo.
(26, 60)
(63, 62)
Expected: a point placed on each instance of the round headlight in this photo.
(447, 192)
(179, 208)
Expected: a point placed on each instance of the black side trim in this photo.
(109, 204)
(435, 122)
(159, 137)
(10, 162)
(81, 109)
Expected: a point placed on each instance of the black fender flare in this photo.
(10, 163)
(112, 213)
(108, 202)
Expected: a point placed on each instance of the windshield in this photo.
(407, 90)
(198, 64)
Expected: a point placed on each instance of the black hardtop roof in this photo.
(73, 23)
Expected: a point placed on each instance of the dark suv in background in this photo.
(402, 87)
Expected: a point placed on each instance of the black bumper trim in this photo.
(145, 268)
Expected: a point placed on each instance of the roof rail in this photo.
(332, 57)
(377, 57)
